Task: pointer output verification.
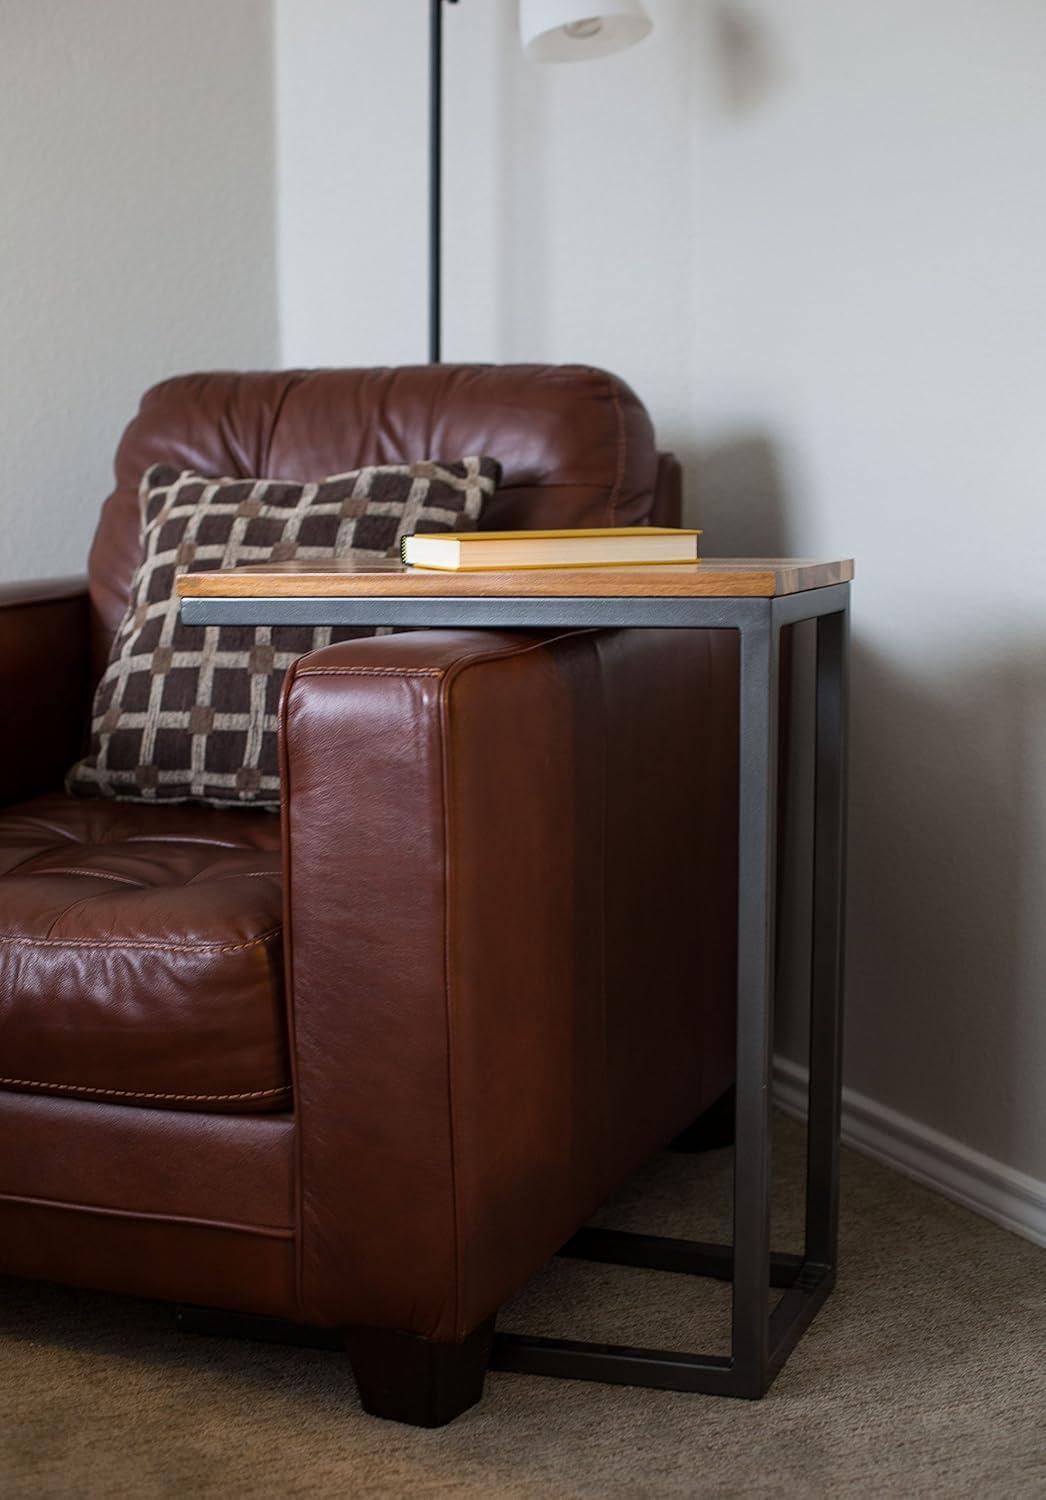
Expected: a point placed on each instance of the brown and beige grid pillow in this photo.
(189, 713)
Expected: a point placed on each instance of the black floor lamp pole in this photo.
(435, 175)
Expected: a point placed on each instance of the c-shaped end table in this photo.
(756, 597)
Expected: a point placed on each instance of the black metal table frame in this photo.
(761, 1339)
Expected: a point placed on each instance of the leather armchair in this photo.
(366, 1066)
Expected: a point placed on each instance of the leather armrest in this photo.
(44, 683)
(510, 938)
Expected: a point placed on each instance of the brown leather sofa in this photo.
(367, 1066)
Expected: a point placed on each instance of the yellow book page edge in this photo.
(537, 536)
(561, 567)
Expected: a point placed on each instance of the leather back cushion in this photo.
(575, 445)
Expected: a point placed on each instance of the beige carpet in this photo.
(925, 1374)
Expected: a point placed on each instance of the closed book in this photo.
(601, 547)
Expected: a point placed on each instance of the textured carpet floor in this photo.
(925, 1374)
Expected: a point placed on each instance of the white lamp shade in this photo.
(576, 30)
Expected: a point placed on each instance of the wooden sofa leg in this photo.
(406, 1378)
(711, 1131)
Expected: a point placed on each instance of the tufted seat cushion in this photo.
(140, 955)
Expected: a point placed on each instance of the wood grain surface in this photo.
(716, 577)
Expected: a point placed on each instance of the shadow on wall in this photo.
(746, 62)
(943, 941)
(738, 492)
(944, 834)
(943, 1006)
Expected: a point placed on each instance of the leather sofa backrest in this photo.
(576, 444)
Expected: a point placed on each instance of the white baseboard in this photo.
(1010, 1198)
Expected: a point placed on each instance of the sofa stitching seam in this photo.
(30, 942)
(86, 874)
(298, 1142)
(293, 381)
(456, 1207)
(506, 653)
(371, 672)
(54, 828)
(145, 1216)
(615, 493)
(83, 1088)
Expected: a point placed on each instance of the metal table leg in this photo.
(757, 850)
(761, 1341)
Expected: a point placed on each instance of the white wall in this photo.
(570, 211)
(136, 236)
(813, 237)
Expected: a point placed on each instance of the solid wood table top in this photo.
(714, 577)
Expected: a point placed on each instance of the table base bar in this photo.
(572, 1359)
(651, 1252)
(668, 1369)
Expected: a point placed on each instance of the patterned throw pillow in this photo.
(188, 712)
